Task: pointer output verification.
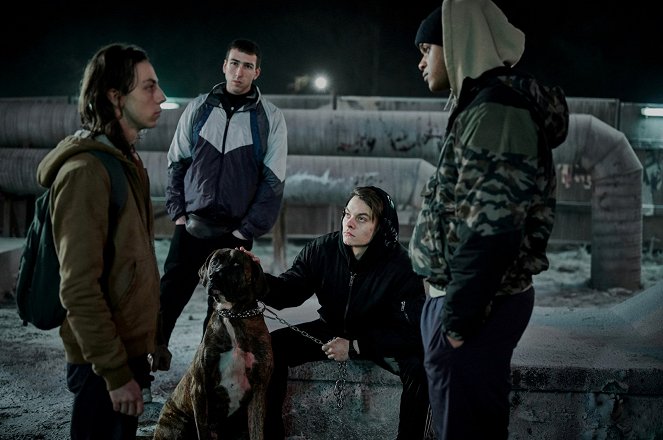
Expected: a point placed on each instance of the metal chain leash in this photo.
(339, 386)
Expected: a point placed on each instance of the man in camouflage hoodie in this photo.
(487, 214)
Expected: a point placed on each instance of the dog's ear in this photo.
(259, 280)
(202, 272)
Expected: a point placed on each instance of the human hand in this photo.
(160, 359)
(128, 399)
(455, 343)
(337, 349)
(253, 256)
(181, 220)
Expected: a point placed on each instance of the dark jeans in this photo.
(186, 256)
(92, 415)
(469, 386)
(290, 349)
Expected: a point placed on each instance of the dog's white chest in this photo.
(233, 366)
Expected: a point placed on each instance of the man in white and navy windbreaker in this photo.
(226, 172)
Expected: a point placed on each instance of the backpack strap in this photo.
(202, 113)
(118, 198)
(118, 180)
(258, 150)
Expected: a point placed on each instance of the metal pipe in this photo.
(616, 174)
(309, 179)
(34, 124)
(347, 146)
(314, 180)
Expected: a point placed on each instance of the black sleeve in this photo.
(175, 190)
(477, 269)
(294, 286)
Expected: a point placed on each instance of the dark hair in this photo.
(369, 196)
(112, 67)
(246, 46)
(384, 210)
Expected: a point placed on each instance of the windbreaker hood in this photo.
(477, 37)
(546, 104)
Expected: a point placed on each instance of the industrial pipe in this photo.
(309, 179)
(616, 174)
(377, 136)
(34, 124)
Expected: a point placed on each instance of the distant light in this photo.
(652, 111)
(169, 105)
(321, 83)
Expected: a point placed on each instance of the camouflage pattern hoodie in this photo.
(488, 209)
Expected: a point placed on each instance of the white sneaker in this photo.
(147, 395)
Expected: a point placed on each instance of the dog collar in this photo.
(228, 313)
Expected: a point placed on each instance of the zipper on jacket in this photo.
(404, 312)
(347, 304)
(225, 137)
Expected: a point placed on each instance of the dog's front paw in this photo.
(160, 359)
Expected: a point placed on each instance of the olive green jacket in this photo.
(104, 331)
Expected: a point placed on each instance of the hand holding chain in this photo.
(339, 387)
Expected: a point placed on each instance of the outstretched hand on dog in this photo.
(253, 256)
(338, 349)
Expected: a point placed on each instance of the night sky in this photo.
(602, 49)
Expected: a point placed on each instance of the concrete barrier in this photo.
(370, 402)
(586, 373)
(10, 257)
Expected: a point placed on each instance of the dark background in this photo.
(602, 49)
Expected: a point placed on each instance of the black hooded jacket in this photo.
(376, 300)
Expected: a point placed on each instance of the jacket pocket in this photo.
(135, 313)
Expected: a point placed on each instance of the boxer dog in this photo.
(222, 394)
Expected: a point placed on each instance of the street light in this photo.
(317, 83)
(321, 83)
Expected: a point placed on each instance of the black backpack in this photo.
(38, 282)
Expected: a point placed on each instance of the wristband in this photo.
(353, 348)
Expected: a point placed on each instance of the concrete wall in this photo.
(10, 254)
(587, 373)
(546, 404)
(581, 374)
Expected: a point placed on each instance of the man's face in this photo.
(433, 68)
(240, 70)
(141, 107)
(359, 223)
